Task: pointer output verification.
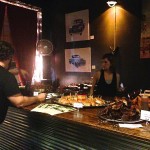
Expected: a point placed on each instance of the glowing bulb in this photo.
(111, 3)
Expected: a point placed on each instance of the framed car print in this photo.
(145, 30)
(77, 26)
(78, 60)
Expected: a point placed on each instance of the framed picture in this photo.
(77, 26)
(78, 60)
(145, 30)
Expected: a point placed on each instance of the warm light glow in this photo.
(111, 3)
(38, 69)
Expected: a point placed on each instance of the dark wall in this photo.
(135, 72)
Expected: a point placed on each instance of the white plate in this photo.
(145, 94)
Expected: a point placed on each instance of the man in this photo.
(21, 75)
(9, 90)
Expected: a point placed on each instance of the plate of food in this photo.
(88, 102)
(122, 111)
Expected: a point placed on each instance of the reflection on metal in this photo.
(39, 25)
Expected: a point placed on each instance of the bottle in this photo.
(144, 103)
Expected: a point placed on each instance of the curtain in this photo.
(2, 12)
(23, 28)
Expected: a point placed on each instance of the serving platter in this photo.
(120, 120)
(56, 101)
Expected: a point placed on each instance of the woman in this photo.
(106, 81)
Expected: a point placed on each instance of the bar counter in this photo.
(26, 130)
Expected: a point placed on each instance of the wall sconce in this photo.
(111, 3)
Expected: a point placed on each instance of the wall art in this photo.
(145, 30)
(78, 60)
(77, 26)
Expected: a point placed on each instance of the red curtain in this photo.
(23, 28)
(2, 10)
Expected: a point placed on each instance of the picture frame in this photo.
(78, 60)
(77, 26)
(145, 30)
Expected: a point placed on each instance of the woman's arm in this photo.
(96, 77)
(118, 81)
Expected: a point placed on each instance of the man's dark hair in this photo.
(6, 50)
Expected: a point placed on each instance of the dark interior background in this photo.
(135, 72)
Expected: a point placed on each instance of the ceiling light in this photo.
(111, 3)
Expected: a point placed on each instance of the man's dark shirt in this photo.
(8, 87)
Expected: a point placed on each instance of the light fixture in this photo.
(111, 3)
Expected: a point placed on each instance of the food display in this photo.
(86, 101)
(122, 109)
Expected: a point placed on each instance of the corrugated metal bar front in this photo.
(24, 130)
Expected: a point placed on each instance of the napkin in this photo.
(130, 125)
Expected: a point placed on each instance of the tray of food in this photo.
(88, 102)
(122, 110)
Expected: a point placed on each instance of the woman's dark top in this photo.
(8, 87)
(102, 88)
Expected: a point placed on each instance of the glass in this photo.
(145, 106)
(144, 103)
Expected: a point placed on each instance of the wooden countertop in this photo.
(89, 117)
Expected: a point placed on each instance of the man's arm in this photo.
(19, 100)
(14, 71)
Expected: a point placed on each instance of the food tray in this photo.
(70, 105)
(120, 121)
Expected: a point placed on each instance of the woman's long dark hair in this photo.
(110, 58)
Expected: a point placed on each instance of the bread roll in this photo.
(86, 103)
(81, 97)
